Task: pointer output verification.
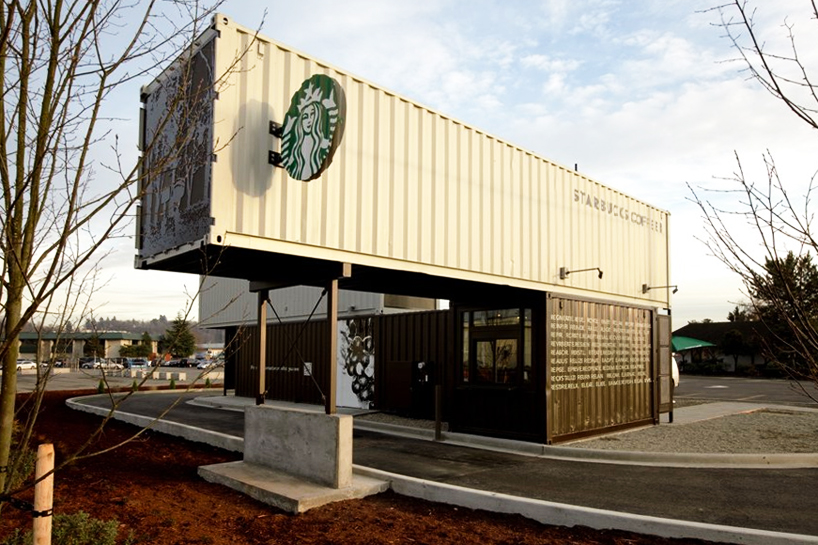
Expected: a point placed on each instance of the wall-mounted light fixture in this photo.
(646, 288)
(564, 272)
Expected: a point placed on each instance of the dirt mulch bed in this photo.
(151, 487)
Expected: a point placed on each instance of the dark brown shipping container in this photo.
(595, 369)
(401, 343)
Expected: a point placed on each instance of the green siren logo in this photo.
(313, 127)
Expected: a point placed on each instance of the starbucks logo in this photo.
(313, 127)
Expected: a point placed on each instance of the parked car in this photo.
(207, 364)
(674, 370)
(109, 365)
(135, 363)
(91, 363)
(26, 364)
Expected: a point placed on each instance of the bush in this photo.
(75, 529)
(135, 386)
(172, 384)
(101, 387)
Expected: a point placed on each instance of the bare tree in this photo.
(784, 74)
(63, 66)
(768, 218)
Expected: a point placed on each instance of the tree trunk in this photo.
(8, 393)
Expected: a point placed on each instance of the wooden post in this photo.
(43, 494)
(262, 345)
(332, 326)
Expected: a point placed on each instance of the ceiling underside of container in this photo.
(275, 270)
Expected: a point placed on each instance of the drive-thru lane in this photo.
(768, 499)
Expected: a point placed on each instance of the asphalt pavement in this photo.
(771, 499)
(745, 389)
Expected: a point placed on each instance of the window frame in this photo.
(470, 335)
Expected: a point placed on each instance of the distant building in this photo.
(72, 346)
(228, 302)
(749, 353)
(209, 350)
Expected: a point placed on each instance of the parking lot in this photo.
(83, 379)
(753, 390)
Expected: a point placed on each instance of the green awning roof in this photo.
(688, 343)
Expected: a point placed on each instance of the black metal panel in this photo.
(498, 412)
(402, 343)
(512, 410)
(289, 348)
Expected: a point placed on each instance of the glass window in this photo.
(485, 318)
(496, 360)
(527, 346)
(465, 361)
(497, 346)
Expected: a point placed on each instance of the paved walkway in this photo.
(770, 500)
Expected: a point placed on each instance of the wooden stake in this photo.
(43, 494)
(263, 295)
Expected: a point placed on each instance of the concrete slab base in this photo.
(287, 492)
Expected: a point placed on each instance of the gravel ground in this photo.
(763, 431)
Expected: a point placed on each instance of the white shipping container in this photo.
(409, 189)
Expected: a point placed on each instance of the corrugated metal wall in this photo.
(411, 187)
(397, 338)
(287, 344)
(600, 366)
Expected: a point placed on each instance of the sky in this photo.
(643, 96)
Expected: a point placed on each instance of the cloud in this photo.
(549, 64)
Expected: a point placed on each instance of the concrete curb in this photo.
(690, 459)
(190, 433)
(663, 459)
(559, 514)
(215, 405)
